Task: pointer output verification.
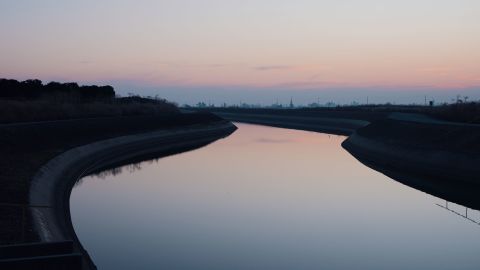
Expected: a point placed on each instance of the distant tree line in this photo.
(35, 89)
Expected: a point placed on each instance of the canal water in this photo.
(268, 198)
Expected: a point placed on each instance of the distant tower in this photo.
(291, 102)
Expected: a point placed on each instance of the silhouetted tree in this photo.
(33, 89)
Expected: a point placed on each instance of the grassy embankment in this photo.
(15, 111)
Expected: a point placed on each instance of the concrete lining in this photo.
(433, 163)
(339, 126)
(51, 187)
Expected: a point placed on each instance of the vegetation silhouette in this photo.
(460, 110)
(35, 89)
(31, 101)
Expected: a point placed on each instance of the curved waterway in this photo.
(268, 198)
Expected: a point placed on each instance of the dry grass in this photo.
(41, 110)
(457, 112)
(460, 112)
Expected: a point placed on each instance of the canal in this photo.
(268, 198)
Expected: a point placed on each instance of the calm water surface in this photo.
(267, 198)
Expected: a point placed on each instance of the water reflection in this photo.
(241, 203)
(135, 164)
(130, 168)
(268, 140)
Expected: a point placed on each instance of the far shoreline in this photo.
(433, 156)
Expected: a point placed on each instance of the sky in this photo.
(249, 51)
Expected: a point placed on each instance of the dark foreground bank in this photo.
(28, 147)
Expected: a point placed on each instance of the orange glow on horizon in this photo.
(267, 44)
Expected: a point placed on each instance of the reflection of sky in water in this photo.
(267, 198)
(268, 140)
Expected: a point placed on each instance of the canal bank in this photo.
(437, 157)
(51, 187)
(267, 198)
(331, 125)
(35, 206)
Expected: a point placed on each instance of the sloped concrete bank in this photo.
(440, 159)
(51, 187)
(438, 163)
(338, 126)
